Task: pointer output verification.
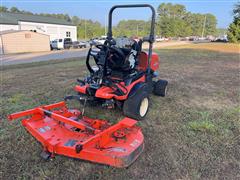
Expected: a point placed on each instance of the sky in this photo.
(98, 9)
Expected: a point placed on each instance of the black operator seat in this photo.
(126, 68)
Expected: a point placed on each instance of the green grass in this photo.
(201, 126)
(192, 133)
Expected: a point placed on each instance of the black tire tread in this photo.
(159, 87)
(132, 104)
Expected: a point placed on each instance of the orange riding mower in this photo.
(122, 77)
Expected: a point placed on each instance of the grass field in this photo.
(220, 47)
(193, 133)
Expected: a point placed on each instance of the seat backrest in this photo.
(131, 58)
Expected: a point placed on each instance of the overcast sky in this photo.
(98, 10)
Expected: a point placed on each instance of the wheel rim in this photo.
(165, 91)
(143, 107)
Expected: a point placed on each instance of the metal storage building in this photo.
(15, 41)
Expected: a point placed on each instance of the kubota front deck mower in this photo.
(123, 77)
(123, 74)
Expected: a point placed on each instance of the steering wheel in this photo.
(119, 53)
(116, 51)
(101, 46)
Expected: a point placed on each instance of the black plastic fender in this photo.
(137, 87)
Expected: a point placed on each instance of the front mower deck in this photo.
(67, 132)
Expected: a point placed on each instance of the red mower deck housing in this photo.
(67, 132)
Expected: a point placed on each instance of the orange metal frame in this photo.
(107, 93)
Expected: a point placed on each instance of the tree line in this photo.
(173, 20)
(16, 10)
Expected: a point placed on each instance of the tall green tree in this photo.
(175, 21)
(236, 10)
(75, 20)
(171, 19)
(3, 9)
(132, 28)
(234, 28)
(14, 10)
(87, 29)
(210, 25)
(195, 23)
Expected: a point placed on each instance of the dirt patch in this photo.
(221, 47)
(192, 133)
(159, 45)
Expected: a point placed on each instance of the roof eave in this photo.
(47, 23)
(8, 23)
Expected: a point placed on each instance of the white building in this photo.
(54, 27)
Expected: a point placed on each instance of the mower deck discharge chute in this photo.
(123, 77)
(67, 132)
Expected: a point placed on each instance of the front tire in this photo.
(137, 106)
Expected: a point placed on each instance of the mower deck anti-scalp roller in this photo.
(66, 132)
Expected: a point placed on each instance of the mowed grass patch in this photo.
(192, 133)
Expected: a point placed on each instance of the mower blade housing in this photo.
(66, 132)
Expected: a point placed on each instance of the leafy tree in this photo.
(195, 23)
(234, 28)
(236, 10)
(89, 29)
(132, 28)
(172, 21)
(14, 10)
(75, 20)
(171, 10)
(210, 26)
(3, 9)
(175, 21)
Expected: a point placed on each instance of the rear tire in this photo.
(137, 106)
(160, 88)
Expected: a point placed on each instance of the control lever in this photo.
(78, 98)
(81, 82)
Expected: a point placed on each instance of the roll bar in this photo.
(151, 35)
(149, 39)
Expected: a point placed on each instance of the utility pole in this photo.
(137, 30)
(204, 23)
(105, 25)
(85, 31)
